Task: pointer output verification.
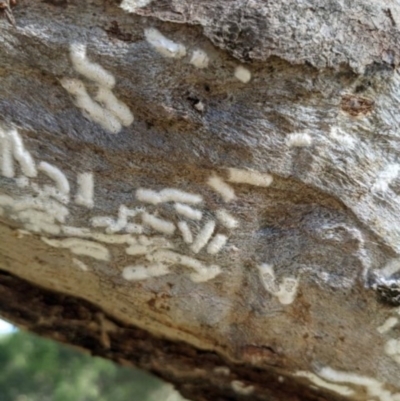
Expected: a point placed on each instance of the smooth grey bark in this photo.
(266, 130)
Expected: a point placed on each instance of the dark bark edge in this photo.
(79, 323)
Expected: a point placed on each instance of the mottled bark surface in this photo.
(217, 179)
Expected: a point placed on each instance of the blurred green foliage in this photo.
(35, 369)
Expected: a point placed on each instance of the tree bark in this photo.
(208, 190)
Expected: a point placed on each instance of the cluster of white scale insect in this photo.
(47, 212)
(44, 210)
(349, 384)
(168, 48)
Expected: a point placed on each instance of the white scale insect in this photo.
(46, 211)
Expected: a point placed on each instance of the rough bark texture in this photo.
(267, 131)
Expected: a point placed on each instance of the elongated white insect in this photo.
(299, 140)
(188, 211)
(176, 195)
(222, 188)
(342, 390)
(89, 107)
(81, 247)
(85, 192)
(141, 272)
(249, 177)
(388, 325)
(81, 265)
(216, 244)
(226, 219)
(93, 252)
(106, 238)
(240, 388)
(164, 46)
(116, 107)
(199, 59)
(203, 236)
(23, 157)
(92, 71)
(285, 292)
(185, 231)
(148, 196)
(114, 238)
(137, 250)
(102, 221)
(267, 275)
(374, 387)
(202, 272)
(176, 258)
(242, 74)
(13, 148)
(288, 290)
(76, 231)
(7, 163)
(167, 195)
(206, 274)
(392, 348)
(158, 224)
(56, 175)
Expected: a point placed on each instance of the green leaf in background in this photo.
(35, 369)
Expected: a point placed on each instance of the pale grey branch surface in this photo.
(222, 173)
